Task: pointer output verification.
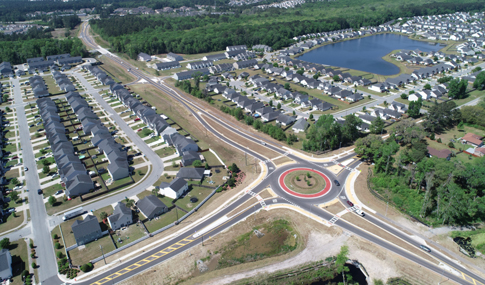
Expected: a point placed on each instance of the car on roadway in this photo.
(26, 168)
(360, 212)
(336, 182)
(350, 203)
(39, 191)
(425, 248)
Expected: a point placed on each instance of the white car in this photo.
(359, 212)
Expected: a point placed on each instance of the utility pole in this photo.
(101, 247)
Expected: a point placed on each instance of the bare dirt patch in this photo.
(259, 148)
(319, 242)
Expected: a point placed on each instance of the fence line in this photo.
(157, 231)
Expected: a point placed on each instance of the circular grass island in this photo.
(304, 182)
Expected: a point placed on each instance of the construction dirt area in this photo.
(314, 242)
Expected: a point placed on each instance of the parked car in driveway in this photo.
(59, 192)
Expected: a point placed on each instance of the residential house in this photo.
(472, 139)
(285, 120)
(144, 57)
(174, 57)
(5, 264)
(196, 174)
(444, 153)
(300, 126)
(270, 116)
(121, 217)
(151, 207)
(176, 188)
(86, 230)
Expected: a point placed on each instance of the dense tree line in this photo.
(16, 10)
(17, 52)
(437, 190)
(153, 35)
(327, 134)
(68, 22)
(30, 34)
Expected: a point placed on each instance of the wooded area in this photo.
(17, 52)
(273, 27)
(437, 190)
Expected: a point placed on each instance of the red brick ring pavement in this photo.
(328, 184)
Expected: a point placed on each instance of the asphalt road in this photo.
(187, 240)
(42, 238)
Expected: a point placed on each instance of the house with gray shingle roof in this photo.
(86, 230)
(175, 188)
(300, 126)
(151, 207)
(121, 217)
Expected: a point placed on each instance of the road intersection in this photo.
(185, 241)
(339, 168)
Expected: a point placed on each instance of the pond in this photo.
(357, 277)
(366, 53)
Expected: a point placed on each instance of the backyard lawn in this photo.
(19, 251)
(130, 234)
(163, 220)
(92, 250)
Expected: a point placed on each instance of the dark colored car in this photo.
(336, 182)
(425, 248)
(39, 191)
(350, 203)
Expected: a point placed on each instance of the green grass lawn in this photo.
(162, 221)
(12, 222)
(80, 256)
(198, 192)
(62, 205)
(128, 235)
(166, 151)
(20, 259)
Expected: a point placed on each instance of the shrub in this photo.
(32, 255)
(55, 236)
(87, 267)
(432, 137)
(451, 145)
(31, 245)
(439, 140)
(59, 254)
(57, 245)
(34, 265)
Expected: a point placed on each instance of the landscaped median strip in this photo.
(350, 191)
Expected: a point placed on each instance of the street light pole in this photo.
(101, 247)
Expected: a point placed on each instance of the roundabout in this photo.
(304, 183)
